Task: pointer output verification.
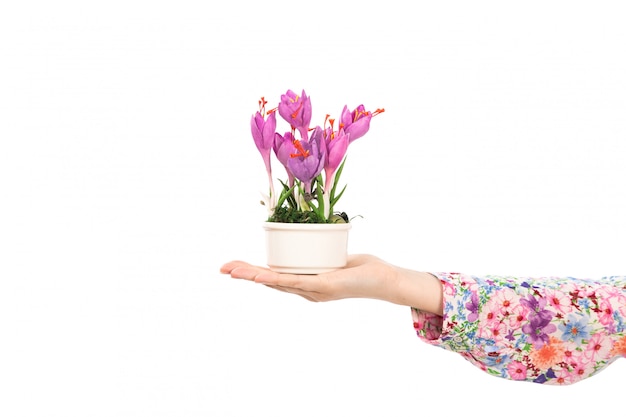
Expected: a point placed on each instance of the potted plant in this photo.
(304, 233)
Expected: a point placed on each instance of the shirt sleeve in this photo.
(544, 330)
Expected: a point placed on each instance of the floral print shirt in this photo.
(543, 330)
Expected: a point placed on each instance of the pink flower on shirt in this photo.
(605, 315)
(505, 300)
(559, 301)
(517, 370)
(564, 377)
(495, 330)
(517, 316)
(598, 347)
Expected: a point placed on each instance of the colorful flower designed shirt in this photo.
(543, 330)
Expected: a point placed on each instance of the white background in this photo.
(128, 176)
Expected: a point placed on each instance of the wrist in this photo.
(417, 289)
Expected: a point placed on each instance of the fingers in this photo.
(229, 266)
(311, 287)
(303, 283)
(242, 270)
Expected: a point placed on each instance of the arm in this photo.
(547, 330)
(552, 330)
(365, 276)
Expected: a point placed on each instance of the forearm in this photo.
(547, 330)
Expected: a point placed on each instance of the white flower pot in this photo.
(303, 248)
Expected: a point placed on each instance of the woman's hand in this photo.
(365, 276)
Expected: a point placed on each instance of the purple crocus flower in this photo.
(283, 149)
(263, 131)
(336, 146)
(296, 110)
(356, 123)
(308, 161)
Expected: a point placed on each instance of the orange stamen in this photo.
(358, 114)
(262, 103)
(295, 113)
(327, 119)
(331, 122)
(301, 151)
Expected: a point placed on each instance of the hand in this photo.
(365, 276)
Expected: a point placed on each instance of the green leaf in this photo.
(336, 180)
(334, 200)
(320, 199)
(287, 193)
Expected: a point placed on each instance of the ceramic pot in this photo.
(305, 248)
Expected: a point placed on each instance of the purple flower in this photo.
(296, 110)
(283, 149)
(538, 330)
(539, 325)
(336, 144)
(313, 157)
(263, 131)
(356, 123)
(533, 304)
(472, 306)
(537, 308)
(308, 161)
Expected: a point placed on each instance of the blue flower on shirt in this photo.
(575, 329)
